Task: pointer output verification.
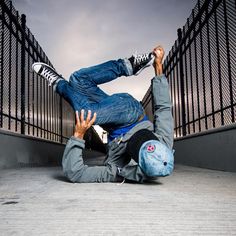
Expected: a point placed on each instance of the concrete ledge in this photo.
(20, 150)
(213, 149)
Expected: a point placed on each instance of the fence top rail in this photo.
(19, 22)
(201, 7)
(207, 132)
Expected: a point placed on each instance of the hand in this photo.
(83, 125)
(159, 53)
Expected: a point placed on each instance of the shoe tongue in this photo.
(40, 70)
(131, 59)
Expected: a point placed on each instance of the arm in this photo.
(72, 162)
(163, 120)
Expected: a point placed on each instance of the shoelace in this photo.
(139, 58)
(121, 182)
(50, 75)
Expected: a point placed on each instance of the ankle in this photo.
(128, 66)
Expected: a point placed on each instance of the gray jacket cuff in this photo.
(77, 141)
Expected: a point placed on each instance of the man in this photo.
(136, 150)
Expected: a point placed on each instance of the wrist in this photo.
(158, 69)
(78, 135)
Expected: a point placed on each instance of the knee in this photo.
(77, 76)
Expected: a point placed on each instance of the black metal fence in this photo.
(27, 105)
(201, 69)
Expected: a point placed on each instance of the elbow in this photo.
(73, 177)
(72, 173)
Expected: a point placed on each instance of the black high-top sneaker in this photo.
(46, 72)
(141, 61)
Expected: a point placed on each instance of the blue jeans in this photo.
(82, 92)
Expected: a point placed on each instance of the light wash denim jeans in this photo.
(82, 92)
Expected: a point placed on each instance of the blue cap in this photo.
(156, 159)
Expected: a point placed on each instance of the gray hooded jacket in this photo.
(117, 164)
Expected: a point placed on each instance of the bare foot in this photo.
(159, 53)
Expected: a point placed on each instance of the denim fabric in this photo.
(156, 159)
(82, 92)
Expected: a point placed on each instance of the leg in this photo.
(82, 91)
(85, 81)
(112, 111)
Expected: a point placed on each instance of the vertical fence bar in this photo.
(210, 71)
(28, 87)
(46, 96)
(203, 72)
(44, 104)
(37, 98)
(197, 77)
(33, 94)
(171, 92)
(186, 86)
(23, 25)
(177, 101)
(176, 71)
(191, 79)
(56, 116)
(229, 62)
(47, 112)
(50, 110)
(10, 68)
(182, 82)
(40, 102)
(174, 92)
(219, 67)
(16, 71)
(2, 68)
(60, 120)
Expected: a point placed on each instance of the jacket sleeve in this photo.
(75, 170)
(133, 172)
(163, 120)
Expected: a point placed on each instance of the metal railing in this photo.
(201, 69)
(27, 105)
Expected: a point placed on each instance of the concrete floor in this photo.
(193, 201)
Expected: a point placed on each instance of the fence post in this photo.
(1, 63)
(23, 25)
(181, 72)
(61, 122)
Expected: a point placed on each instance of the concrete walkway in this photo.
(193, 201)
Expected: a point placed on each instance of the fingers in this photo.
(93, 120)
(88, 122)
(77, 118)
(82, 116)
(157, 51)
(88, 116)
(159, 47)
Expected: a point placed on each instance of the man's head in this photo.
(154, 158)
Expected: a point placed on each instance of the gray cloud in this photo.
(77, 33)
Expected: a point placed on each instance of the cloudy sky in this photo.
(81, 33)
